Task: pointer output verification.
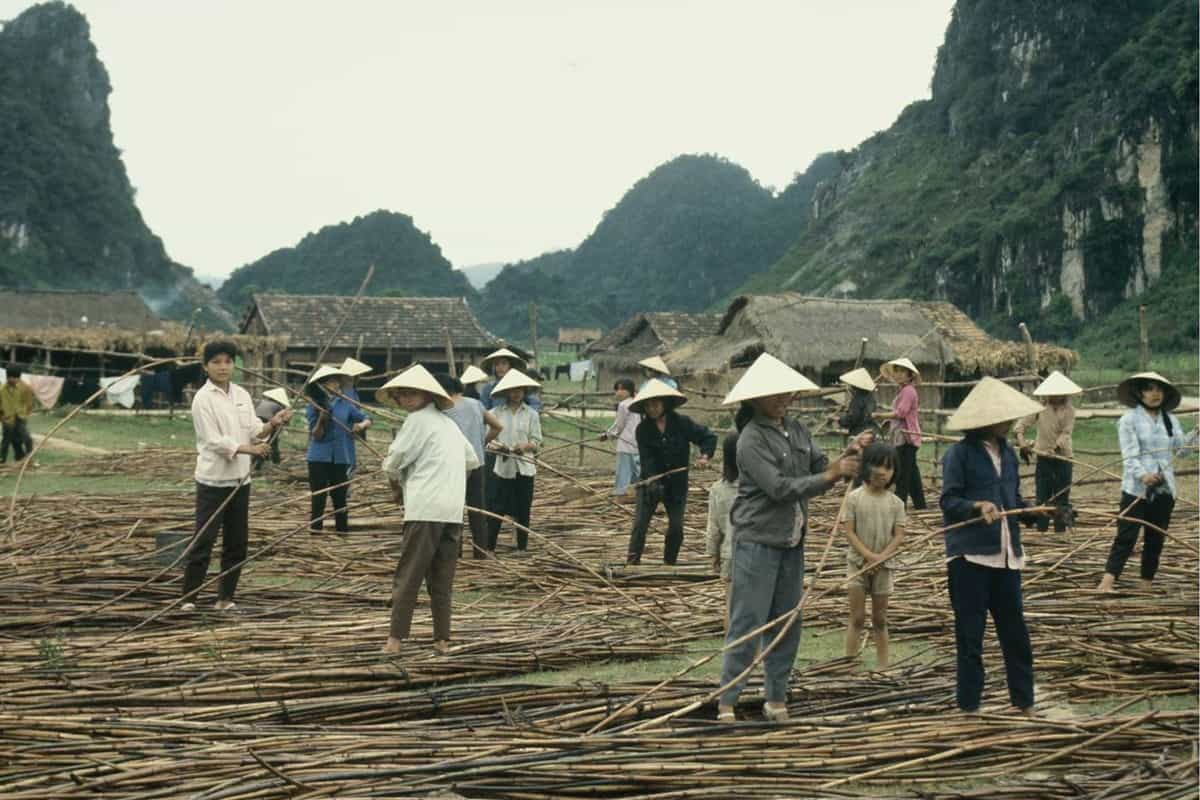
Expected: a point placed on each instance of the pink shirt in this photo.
(905, 409)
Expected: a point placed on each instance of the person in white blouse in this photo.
(514, 448)
(228, 436)
(426, 465)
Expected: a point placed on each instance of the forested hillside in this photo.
(68, 217)
(1052, 178)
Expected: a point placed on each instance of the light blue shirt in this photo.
(1146, 448)
(337, 446)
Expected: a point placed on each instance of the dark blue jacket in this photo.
(968, 475)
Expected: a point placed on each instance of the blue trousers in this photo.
(975, 591)
(627, 472)
(766, 582)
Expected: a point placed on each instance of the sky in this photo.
(505, 129)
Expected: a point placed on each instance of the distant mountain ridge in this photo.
(335, 259)
(68, 219)
(480, 274)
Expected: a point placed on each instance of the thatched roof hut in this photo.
(821, 337)
(577, 338)
(36, 309)
(646, 334)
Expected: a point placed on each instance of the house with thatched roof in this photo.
(36, 309)
(577, 339)
(822, 337)
(615, 355)
(388, 333)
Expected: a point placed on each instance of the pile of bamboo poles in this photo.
(103, 694)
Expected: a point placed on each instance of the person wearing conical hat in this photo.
(273, 401)
(780, 466)
(471, 379)
(333, 422)
(499, 362)
(426, 465)
(905, 429)
(654, 368)
(353, 369)
(480, 427)
(1150, 436)
(1055, 426)
(664, 440)
(980, 483)
(514, 467)
(860, 410)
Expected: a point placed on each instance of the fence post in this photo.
(582, 426)
(1143, 340)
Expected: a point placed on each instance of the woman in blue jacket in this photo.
(332, 425)
(980, 482)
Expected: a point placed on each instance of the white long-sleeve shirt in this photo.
(522, 427)
(624, 427)
(430, 458)
(224, 421)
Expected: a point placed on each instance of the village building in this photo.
(576, 339)
(387, 333)
(650, 333)
(822, 338)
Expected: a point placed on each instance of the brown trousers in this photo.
(430, 554)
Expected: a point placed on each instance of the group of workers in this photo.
(455, 450)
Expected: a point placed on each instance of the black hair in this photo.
(878, 454)
(451, 384)
(729, 467)
(318, 394)
(1141, 385)
(218, 346)
(624, 383)
(13, 371)
(744, 414)
(470, 391)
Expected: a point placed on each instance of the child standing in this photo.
(520, 437)
(426, 465)
(875, 528)
(624, 430)
(718, 543)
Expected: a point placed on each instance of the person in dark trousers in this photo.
(859, 415)
(515, 447)
(16, 405)
(664, 439)
(333, 422)
(228, 435)
(274, 401)
(1150, 436)
(779, 468)
(479, 427)
(1053, 447)
(984, 559)
(905, 429)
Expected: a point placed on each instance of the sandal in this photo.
(775, 713)
(726, 716)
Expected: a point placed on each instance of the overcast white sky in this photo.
(504, 129)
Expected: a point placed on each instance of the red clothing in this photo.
(905, 409)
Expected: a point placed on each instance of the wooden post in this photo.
(450, 365)
(1030, 349)
(358, 350)
(941, 403)
(1143, 340)
(582, 426)
(862, 352)
(533, 331)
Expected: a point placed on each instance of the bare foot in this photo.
(441, 646)
(224, 605)
(775, 712)
(725, 714)
(1106, 583)
(1147, 583)
(392, 647)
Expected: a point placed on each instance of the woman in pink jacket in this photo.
(905, 429)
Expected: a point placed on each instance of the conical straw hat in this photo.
(473, 374)
(989, 403)
(655, 363)
(888, 368)
(1057, 385)
(768, 376)
(515, 379)
(279, 396)
(415, 377)
(1126, 394)
(516, 361)
(859, 379)
(353, 367)
(654, 388)
(324, 371)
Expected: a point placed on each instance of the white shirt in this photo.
(224, 421)
(624, 427)
(522, 427)
(430, 458)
